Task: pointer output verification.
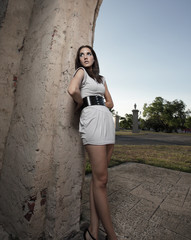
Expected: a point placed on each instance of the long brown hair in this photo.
(95, 67)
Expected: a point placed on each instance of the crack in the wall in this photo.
(3, 10)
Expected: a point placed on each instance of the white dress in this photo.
(96, 124)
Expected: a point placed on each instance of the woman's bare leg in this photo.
(94, 219)
(99, 161)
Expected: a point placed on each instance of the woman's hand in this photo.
(78, 106)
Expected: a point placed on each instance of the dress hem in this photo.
(100, 144)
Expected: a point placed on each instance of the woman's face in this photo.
(86, 57)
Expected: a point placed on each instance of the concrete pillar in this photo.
(43, 160)
(117, 122)
(135, 120)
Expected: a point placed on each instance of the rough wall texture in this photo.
(3, 10)
(43, 160)
(12, 34)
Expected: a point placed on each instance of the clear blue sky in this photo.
(144, 51)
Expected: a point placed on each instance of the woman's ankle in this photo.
(113, 237)
(94, 231)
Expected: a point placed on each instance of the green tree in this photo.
(174, 115)
(162, 115)
(188, 122)
(126, 122)
(153, 113)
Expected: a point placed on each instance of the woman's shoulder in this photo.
(82, 74)
(80, 71)
(103, 80)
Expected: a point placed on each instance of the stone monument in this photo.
(135, 120)
(117, 117)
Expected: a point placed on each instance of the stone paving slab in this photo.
(146, 203)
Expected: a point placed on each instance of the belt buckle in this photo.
(89, 101)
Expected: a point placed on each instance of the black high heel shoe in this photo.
(87, 230)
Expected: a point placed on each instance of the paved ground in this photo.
(146, 203)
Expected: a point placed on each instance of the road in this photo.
(154, 139)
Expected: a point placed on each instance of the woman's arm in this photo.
(74, 88)
(109, 101)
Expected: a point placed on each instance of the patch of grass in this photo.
(88, 166)
(166, 156)
(129, 132)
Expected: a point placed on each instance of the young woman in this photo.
(90, 93)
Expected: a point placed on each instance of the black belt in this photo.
(93, 100)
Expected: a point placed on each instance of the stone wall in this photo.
(12, 34)
(43, 159)
(3, 10)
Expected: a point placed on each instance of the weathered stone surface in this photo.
(3, 10)
(43, 164)
(12, 34)
(3, 234)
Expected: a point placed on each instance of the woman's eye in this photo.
(81, 54)
(89, 54)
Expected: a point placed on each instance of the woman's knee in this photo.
(100, 181)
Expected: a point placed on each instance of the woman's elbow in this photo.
(71, 91)
(111, 105)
